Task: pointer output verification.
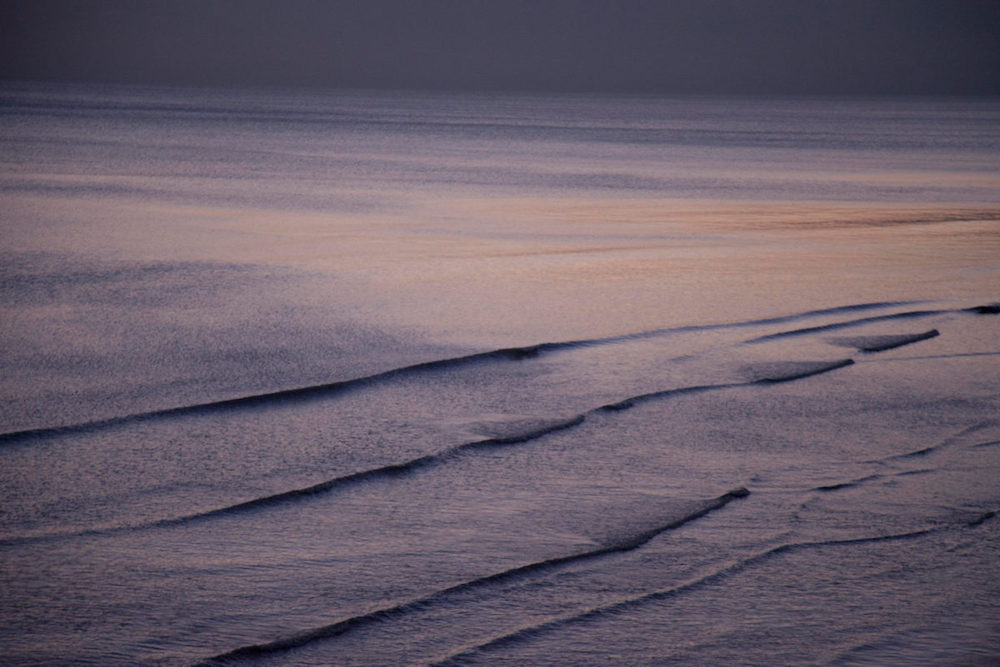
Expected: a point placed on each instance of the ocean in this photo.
(386, 378)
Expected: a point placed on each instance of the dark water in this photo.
(387, 379)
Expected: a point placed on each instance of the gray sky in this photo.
(668, 46)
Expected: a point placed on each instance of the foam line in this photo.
(530, 632)
(332, 388)
(389, 613)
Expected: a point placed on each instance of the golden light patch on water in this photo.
(705, 214)
(475, 267)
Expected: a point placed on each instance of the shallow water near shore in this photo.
(379, 379)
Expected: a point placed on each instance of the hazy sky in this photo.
(671, 46)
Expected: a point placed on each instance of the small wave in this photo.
(330, 389)
(806, 369)
(848, 485)
(284, 395)
(774, 373)
(947, 442)
(956, 355)
(785, 371)
(981, 519)
(992, 308)
(389, 613)
(991, 443)
(413, 465)
(872, 478)
(882, 343)
(781, 319)
(632, 401)
(327, 486)
(530, 632)
(914, 473)
(912, 314)
(383, 472)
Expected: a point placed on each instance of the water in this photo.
(384, 378)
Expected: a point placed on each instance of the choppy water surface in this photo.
(379, 379)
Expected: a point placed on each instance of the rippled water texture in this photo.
(382, 379)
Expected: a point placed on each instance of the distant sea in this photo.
(386, 378)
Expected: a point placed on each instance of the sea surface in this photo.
(374, 378)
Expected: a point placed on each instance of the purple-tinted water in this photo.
(371, 378)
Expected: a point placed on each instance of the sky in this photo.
(915, 47)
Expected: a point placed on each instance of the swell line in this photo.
(780, 319)
(884, 342)
(391, 470)
(283, 395)
(389, 613)
(854, 483)
(430, 460)
(991, 443)
(947, 442)
(987, 309)
(954, 355)
(924, 451)
(530, 632)
(332, 388)
(808, 369)
(327, 486)
(912, 314)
